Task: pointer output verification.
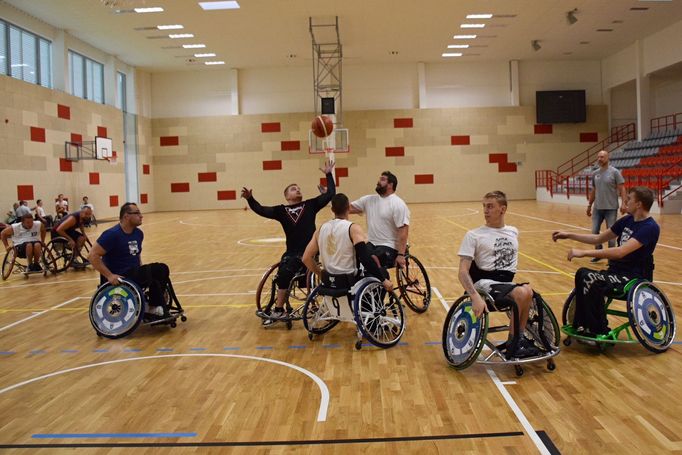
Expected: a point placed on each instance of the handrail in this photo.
(665, 121)
(620, 135)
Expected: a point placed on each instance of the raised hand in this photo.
(328, 166)
(246, 193)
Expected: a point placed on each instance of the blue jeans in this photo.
(600, 215)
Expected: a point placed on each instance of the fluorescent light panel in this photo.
(214, 63)
(170, 27)
(464, 37)
(458, 46)
(210, 54)
(472, 26)
(452, 54)
(181, 35)
(219, 5)
(479, 16)
(193, 46)
(155, 9)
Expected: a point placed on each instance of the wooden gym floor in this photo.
(221, 382)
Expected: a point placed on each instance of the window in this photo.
(87, 78)
(121, 91)
(24, 55)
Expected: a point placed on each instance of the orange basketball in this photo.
(322, 126)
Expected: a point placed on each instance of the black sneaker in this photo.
(524, 348)
(36, 268)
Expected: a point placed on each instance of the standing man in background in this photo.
(607, 185)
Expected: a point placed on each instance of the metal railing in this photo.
(665, 122)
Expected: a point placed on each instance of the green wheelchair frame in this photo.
(649, 315)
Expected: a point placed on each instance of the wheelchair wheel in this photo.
(8, 263)
(414, 285)
(464, 334)
(548, 326)
(568, 311)
(116, 311)
(378, 314)
(266, 294)
(315, 315)
(651, 317)
(57, 255)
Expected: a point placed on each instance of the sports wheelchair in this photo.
(465, 335)
(376, 312)
(117, 310)
(648, 312)
(12, 263)
(299, 288)
(58, 255)
(414, 286)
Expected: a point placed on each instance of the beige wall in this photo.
(235, 147)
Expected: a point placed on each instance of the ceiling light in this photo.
(219, 5)
(570, 16)
(210, 54)
(479, 16)
(452, 54)
(214, 63)
(193, 46)
(458, 46)
(181, 35)
(472, 26)
(155, 9)
(535, 44)
(464, 36)
(169, 27)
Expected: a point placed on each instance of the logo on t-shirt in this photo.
(295, 212)
(133, 248)
(504, 253)
(625, 236)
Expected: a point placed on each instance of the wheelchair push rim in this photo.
(378, 314)
(116, 310)
(314, 320)
(414, 284)
(8, 263)
(463, 334)
(651, 317)
(57, 255)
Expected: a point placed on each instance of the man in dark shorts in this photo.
(117, 254)
(297, 218)
(71, 228)
(637, 235)
(28, 237)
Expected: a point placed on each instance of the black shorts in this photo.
(500, 294)
(21, 248)
(385, 254)
(289, 266)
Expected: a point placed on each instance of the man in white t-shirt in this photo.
(28, 237)
(488, 257)
(388, 221)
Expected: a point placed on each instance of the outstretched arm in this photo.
(266, 212)
(590, 239)
(607, 253)
(309, 256)
(324, 198)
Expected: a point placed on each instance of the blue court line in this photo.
(262, 348)
(7, 352)
(132, 350)
(69, 351)
(433, 343)
(231, 348)
(164, 349)
(100, 350)
(197, 349)
(330, 346)
(38, 351)
(403, 343)
(111, 435)
(296, 346)
(674, 342)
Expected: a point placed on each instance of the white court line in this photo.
(274, 242)
(46, 284)
(324, 390)
(440, 297)
(39, 313)
(215, 278)
(217, 294)
(519, 414)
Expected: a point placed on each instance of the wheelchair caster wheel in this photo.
(310, 336)
(289, 325)
(519, 370)
(567, 341)
(551, 366)
(173, 325)
(183, 318)
(358, 345)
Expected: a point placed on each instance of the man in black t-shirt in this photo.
(297, 218)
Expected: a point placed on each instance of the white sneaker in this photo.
(155, 310)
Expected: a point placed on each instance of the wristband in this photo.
(401, 254)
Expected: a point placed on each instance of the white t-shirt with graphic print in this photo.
(492, 248)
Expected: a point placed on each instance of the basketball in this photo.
(322, 126)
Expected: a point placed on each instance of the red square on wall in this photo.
(144, 198)
(208, 177)
(25, 192)
(227, 195)
(272, 127)
(402, 123)
(113, 201)
(145, 169)
(423, 179)
(395, 151)
(63, 112)
(65, 165)
(543, 129)
(102, 131)
(94, 178)
(289, 146)
(167, 141)
(273, 165)
(182, 187)
(37, 134)
(459, 140)
(589, 137)
(75, 137)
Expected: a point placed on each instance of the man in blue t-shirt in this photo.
(117, 254)
(637, 235)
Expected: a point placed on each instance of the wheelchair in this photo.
(117, 310)
(59, 256)
(648, 313)
(12, 264)
(377, 313)
(299, 288)
(413, 282)
(465, 336)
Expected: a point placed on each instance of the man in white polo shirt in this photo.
(388, 221)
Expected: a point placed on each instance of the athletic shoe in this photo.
(276, 315)
(155, 310)
(525, 348)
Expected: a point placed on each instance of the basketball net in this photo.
(329, 145)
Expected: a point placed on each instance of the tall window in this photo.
(87, 78)
(121, 91)
(24, 55)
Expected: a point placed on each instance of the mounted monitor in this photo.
(103, 147)
(560, 106)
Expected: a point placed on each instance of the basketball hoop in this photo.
(112, 160)
(328, 144)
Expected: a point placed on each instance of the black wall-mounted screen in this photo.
(560, 106)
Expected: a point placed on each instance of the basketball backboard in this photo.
(337, 142)
(103, 147)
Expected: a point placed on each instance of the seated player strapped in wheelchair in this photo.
(297, 289)
(116, 310)
(72, 251)
(25, 255)
(647, 313)
(15, 261)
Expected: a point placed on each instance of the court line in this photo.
(519, 414)
(111, 435)
(324, 390)
(274, 244)
(216, 278)
(440, 297)
(38, 314)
